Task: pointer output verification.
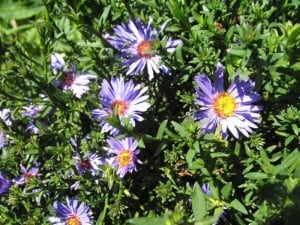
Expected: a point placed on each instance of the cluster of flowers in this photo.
(22, 179)
(136, 42)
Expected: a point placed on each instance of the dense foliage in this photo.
(180, 174)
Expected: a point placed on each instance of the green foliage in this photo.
(253, 180)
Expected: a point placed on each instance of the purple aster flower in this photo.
(27, 174)
(232, 110)
(57, 62)
(32, 112)
(137, 44)
(75, 186)
(206, 189)
(89, 163)
(5, 116)
(125, 152)
(77, 82)
(127, 100)
(4, 185)
(2, 139)
(32, 128)
(72, 213)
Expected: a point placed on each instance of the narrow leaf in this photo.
(256, 176)
(147, 221)
(198, 203)
(161, 129)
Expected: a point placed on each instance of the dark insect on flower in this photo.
(137, 43)
(72, 80)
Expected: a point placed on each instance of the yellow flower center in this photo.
(73, 220)
(120, 106)
(144, 49)
(224, 105)
(124, 158)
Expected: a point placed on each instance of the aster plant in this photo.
(71, 213)
(232, 110)
(137, 44)
(124, 153)
(123, 98)
(77, 82)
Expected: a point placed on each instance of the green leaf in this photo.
(218, 154)
(226, 190)
(147, 221)
(239, 52)
(236, 204)
(177, 13)
(172, 135)
(296, 66)
(180, 129)
(256, 176)
(105, 14)
(85, 43)
(294, 35)
(292, 160)
(141, 143)
(197, 164)
(295, 128)
(159, 149)
(198, 203)
(190, 156)
(161, 129)
(18, 10)
(288, 140)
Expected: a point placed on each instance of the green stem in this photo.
(102, 216)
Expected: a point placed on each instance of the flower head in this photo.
(57, 62)
(232, 110)
(77, 82)
(27, 174)
(137, 45)
(125, 152)
(4, 185)
(5, 116)
(89, 163)
(127, 100)
(32, 112)
(71, 213)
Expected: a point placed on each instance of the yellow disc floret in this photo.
(144, 49)
(120, 106)
(224, 105)
(124, 158)
(73, 220)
